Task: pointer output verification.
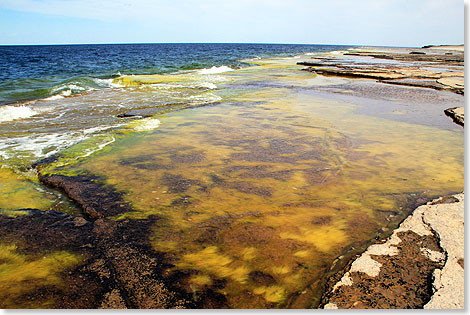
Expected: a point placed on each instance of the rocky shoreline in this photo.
(436, 69)
(421, 265)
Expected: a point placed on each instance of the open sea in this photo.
(37, 72)
(218, 173)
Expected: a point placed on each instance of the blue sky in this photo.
(356, 22)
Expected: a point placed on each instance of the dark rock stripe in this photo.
(96, 200)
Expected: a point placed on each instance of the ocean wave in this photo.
(215, 70)
(79, 86)
(107, 83)
(9, 113)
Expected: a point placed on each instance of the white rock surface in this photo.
(447, 221)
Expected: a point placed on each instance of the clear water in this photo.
(262, 176)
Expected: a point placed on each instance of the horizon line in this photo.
(189, 43)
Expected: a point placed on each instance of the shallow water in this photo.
(259, 193)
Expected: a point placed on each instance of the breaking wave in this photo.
(215, 70)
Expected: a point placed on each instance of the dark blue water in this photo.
(34, 72)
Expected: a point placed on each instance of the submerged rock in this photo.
(119, 268)
(96, 200)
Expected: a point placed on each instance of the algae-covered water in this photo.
(260, 190)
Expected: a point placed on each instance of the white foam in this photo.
(9, 113)
(37, 146)
(67, 89)
(215, 70)
(99, 129)
(53, 97)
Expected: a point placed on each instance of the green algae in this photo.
(17, 192)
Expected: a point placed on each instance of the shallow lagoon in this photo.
(261, 192)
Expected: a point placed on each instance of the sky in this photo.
(407, 23)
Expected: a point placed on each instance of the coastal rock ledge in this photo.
(421, 265)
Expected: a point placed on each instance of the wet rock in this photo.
(457, 114)
(315, 64)
(457, 59)
(144, 113)
(415, 72)
(444, 200)
(433, 84)
(48, 160)
(378, 74)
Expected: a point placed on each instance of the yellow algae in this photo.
(249, 253)
(17, 192)
(22, 274)
(134, 80)
(13, 213)
(302, 253)
(272, 294)
(200, 280)
(211, 261)
(323, 237)
(281, 270)
(294, 279)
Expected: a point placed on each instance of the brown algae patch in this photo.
(260, 194)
